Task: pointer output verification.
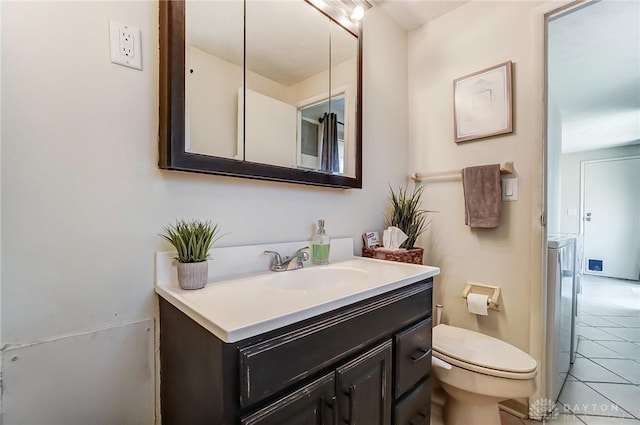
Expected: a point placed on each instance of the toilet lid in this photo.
(481, 350)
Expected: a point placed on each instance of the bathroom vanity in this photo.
(358, 354)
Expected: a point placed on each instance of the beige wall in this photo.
(212, 107)
(570, 171)
(83, 201)
(473, 37)
(212, 104)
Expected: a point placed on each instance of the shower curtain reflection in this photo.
(330, 147)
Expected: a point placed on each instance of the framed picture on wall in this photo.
(482, 103)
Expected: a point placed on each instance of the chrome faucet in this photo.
(289, 263)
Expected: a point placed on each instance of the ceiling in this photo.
(594, 75)
(271, 50)
(411, 14)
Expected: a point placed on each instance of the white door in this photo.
(611, 217)
(271, 137)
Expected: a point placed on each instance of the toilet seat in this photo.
(481, 353)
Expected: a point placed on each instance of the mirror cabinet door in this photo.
(344, 98)
(213, 77)
(287, 65)
(265, 89)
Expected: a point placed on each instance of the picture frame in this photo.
(482, 104)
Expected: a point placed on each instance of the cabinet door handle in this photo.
(333, 416)
(419, 355)
(418, 419)
(352, 405)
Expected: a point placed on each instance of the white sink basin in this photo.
(242, 307)
(318, 278)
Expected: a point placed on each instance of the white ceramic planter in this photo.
(193, 275)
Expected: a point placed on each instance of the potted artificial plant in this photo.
(193, 240)
(407, 215)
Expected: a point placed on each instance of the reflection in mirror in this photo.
(326, 127)
(213, 75)
(344, 94)
(287, 54)
(209, 98)
(316, 125)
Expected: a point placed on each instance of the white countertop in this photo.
(237, 308)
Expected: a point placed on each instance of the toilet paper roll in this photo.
(478, 304)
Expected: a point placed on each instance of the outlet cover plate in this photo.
(126, 45)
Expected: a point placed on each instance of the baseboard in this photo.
(515, 407)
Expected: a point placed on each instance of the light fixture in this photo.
(357, 14)
(347, 12)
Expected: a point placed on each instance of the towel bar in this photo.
(505, 168)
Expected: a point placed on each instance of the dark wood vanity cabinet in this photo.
(356, 393)
(312, 404)
(364, 364)
(363, 387)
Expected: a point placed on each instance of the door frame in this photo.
(538, 322)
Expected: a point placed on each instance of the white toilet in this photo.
(484, 370)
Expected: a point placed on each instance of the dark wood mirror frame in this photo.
(173, 155)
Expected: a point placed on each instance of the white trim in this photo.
(323, 97)
(538, 293)
(569, 7)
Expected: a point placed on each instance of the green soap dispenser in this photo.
(320, 245)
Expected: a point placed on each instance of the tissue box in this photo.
(413, 255)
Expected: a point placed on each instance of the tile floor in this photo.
(603, 386)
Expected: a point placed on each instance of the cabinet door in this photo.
(313, 404)
(415, 407)
(364, 388)
(413, 356)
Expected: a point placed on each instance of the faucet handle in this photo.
(302, 254)
(277, 259)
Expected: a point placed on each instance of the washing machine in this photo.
(561, 311)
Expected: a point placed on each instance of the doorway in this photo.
(310, 131)
(611, 217)
(592, 145)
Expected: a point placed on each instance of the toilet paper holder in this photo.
(493, 292)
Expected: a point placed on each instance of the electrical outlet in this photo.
(126, 44)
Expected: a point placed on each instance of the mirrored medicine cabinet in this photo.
(261, 89)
